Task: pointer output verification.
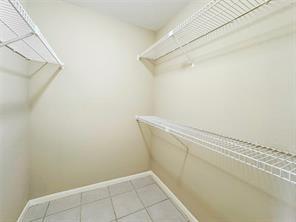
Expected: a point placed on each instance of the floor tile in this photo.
(100, 211)
(141, 216)
(120, 188)
(94, 195)
(72, 215)
(35, 212)
(151, 194)
(126, 203)
(165, 211)
(143, 181)
(63, 204)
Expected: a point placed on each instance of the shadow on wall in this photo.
(13, 72)
(173, 176)
(14, 159)
(147, 134)
(12, 109)
(177, 62)
(149, 64)
(216, 188)
(44, 75)
(247, 35)
(6, 106)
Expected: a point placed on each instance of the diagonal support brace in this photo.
(190, 61)
(2, 44)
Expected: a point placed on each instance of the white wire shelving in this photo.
(272, 161)
(19, 33)
(211, 18)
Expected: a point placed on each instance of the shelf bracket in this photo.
(181, 48)
(269, 160)
(2, 44)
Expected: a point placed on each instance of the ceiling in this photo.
(149, 14)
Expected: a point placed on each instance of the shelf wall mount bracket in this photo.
(272, 161)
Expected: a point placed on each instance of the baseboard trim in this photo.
(23, 211)
(173, 198)
(58, 195)
(86, 188)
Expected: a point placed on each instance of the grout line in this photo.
(119, 218)
(52, 197)
(62, 211)
(157, 203)
(97, 189)
(108, 187)
(162, 190)
(138, 194)
(87, 188)
(30, 219)
(167, 197)
(43, 218)
(148, 214)
(147, 185)
(142, 201)
(179, 210)
(110, 197)
(144, 208)
(173, 201)
(93, 201)
(80, 206)
(134, 190)
(150, 183)
(114, 195)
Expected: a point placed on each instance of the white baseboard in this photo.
(86, 188)
(173, 198)
(108, 183)
(23, 211)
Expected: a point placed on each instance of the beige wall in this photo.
(243, 86)
(82, 126)
(83, 129)
(14, 158)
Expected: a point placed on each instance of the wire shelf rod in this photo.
(20, 34)
(272, 161)
(212, 17)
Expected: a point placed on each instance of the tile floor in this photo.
(139, 200)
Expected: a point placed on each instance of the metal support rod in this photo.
(18, 22)
(211, 18)
(272, 161)
(16, 52)
(215, 29)
(21, 11)
(38, 70)
(2, 44)
(190, 61)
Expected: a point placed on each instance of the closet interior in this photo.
(148, 111)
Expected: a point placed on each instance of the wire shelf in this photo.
(269, 160)
(212, 17)
(19, 33)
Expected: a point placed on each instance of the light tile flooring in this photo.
(139, 200)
